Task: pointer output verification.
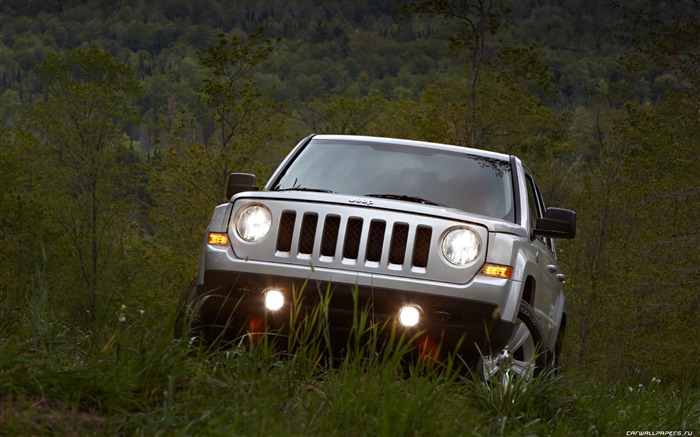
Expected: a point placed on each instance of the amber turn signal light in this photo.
(217, 239)
(497, 271)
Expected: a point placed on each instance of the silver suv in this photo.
(451, 243)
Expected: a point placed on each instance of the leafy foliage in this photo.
(113, 152)
(85, 159)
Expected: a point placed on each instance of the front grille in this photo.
(330, 235)
(308, 233)
(351, 246)
(397, 253)
(286, 231)
(353, 239)
(375, 241)
(421, 248)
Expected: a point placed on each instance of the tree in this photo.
(665, 39)
(476, 21)
(89, 99)
(634, 277)
(244, 116)
(238, 131)
(21, 212)
(510, 118)
(346, 114)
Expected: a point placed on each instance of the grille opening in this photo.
(375, 240)
(330, 235)
(286, 230)
(353, 232)
(308, 233)
(399, 237)
(421, 246)
(382, 240)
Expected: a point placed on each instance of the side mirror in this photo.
(557, 223)
(239, 182)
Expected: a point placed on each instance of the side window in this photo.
(536, 206)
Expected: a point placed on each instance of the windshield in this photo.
(414, 174)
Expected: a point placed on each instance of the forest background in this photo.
(120, 121)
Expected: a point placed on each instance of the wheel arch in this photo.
(529, 289)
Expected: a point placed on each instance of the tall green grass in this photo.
(128, 376)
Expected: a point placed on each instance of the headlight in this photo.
(253, 222)
(461, 246)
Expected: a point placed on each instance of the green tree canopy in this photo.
(84, 158)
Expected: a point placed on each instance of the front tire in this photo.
(523, 356)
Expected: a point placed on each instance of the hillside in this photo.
(121, 120)
(334, 48)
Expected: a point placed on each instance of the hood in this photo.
(409, 207)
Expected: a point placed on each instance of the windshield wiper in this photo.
(405, 198)
(317, 190)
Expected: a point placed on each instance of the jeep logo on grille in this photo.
(360, 201)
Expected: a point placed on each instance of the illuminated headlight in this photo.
(461, 246)
(409, 316)
(253, 222)
(274, 300)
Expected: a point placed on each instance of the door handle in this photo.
(561, 278)
(552, 268)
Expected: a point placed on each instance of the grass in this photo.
(129, 378)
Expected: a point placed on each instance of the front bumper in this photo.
(232, 308)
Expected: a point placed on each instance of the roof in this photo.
(414, 143)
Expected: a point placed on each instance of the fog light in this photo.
(409, 316)
(274, 300)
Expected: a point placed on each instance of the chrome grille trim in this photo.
(372, 244)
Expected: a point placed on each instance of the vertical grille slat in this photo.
(375, 240)
(399, 238)
(330, 235)
(353, 232)
(421, 246)
(286, 231)
(308, 233)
